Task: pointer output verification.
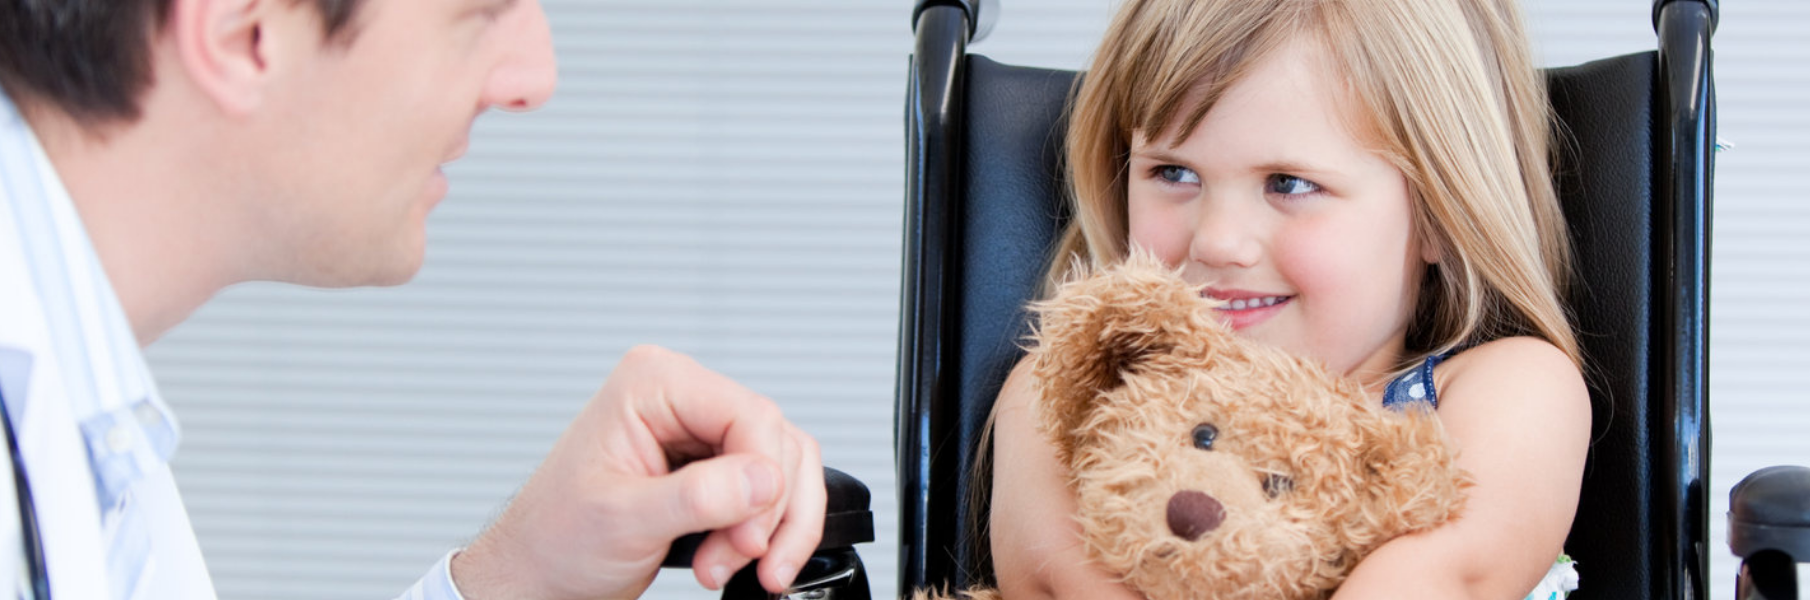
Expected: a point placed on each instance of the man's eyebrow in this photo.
(496, 5)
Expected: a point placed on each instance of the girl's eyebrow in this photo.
(1157, 154)
(1292, 168)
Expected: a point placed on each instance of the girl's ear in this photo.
(1431, 250)
(1432, 244)
(1426, 230)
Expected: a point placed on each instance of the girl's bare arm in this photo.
(1037, 548)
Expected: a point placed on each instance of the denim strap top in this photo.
(1414, 386)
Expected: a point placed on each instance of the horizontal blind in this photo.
(725, 178)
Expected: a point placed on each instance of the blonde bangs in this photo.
(1161, 67)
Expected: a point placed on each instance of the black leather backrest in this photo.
(1012, 212)
(1607, 185)
(1007, 225)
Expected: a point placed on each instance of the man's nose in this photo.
(525, 77)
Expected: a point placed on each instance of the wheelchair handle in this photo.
(1715, 13)
(982, 14)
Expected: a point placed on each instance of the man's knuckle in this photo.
(704, 499)
(765, 410)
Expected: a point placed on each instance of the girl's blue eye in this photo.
(1177, 175)
(1290, 185)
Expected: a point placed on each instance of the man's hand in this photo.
(666, 448)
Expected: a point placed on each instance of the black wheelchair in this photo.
(984, 205)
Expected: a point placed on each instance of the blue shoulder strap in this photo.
(1414, 386)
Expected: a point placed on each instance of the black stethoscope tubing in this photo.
(28, 512)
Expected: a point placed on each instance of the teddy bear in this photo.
(1209, 466)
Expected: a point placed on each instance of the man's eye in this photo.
(1178, 175)
(494, 10)
(1290, 185)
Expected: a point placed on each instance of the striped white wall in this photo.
(724, 177)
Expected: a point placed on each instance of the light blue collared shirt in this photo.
(94, 434)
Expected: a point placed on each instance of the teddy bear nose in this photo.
(1192, 514)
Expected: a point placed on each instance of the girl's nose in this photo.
(1224, 237)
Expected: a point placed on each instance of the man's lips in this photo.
(458, 152)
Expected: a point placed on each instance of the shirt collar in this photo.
(119, 351)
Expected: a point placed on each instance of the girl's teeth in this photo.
(1242, 304)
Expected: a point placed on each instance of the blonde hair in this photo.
(1455, 102)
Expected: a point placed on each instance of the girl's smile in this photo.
(1243, 309)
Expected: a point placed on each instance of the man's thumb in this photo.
(716, 493)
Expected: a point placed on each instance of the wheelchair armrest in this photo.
(1770, 510)
(1769, 528)
(847, 520)
(834, 568)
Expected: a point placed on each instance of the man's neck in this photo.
(142, 200)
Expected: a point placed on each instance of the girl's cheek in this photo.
(1325, 261)
(1160, 232)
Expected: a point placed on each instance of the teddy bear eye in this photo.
(1204, 434)
(1276, 485)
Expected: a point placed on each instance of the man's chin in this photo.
(401, 267)
(394, 279)
(398, 273)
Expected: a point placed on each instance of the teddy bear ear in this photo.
(1416, 483)
(1104, 325)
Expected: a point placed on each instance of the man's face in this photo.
(357, 133)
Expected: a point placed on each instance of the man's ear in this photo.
(227, 47)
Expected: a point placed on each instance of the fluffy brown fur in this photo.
(1306, 476)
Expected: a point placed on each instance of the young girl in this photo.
(1366, 182)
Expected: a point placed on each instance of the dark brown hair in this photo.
(90, 58)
